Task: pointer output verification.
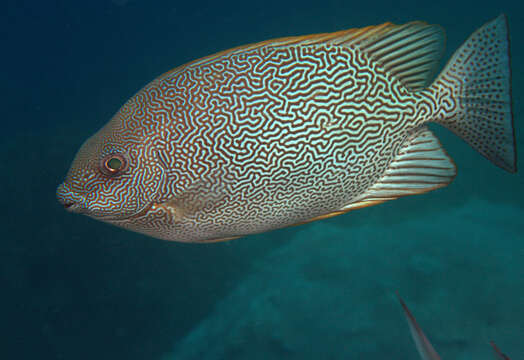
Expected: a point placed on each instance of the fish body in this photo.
(292, 130)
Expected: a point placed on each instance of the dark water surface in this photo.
(74, 288)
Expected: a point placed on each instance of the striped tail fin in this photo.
(478, 77)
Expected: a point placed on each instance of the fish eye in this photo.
(113, 164)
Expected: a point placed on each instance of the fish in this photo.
(292, 130)
(424, 347)
(499, 355)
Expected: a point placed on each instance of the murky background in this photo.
(75, 288)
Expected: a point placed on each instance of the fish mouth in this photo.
(68, 205)
(76, 203)
(71, 201)
(73, 207)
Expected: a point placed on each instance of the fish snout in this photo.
(71, 201)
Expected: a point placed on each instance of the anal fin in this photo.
(421, 165)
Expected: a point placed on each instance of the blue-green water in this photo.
(74, 288)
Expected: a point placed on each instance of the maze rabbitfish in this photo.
(292, 130)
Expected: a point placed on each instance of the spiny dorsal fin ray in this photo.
(421, 165)
(410, 52)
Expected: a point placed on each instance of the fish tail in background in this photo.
(498, 354)
(474, 94)
(424, 347)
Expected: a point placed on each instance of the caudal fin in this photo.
(478, 78)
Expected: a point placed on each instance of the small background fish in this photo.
(424, 346)
(74, 288)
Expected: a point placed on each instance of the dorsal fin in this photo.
(411, 52)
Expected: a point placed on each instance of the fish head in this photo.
(114, 177)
